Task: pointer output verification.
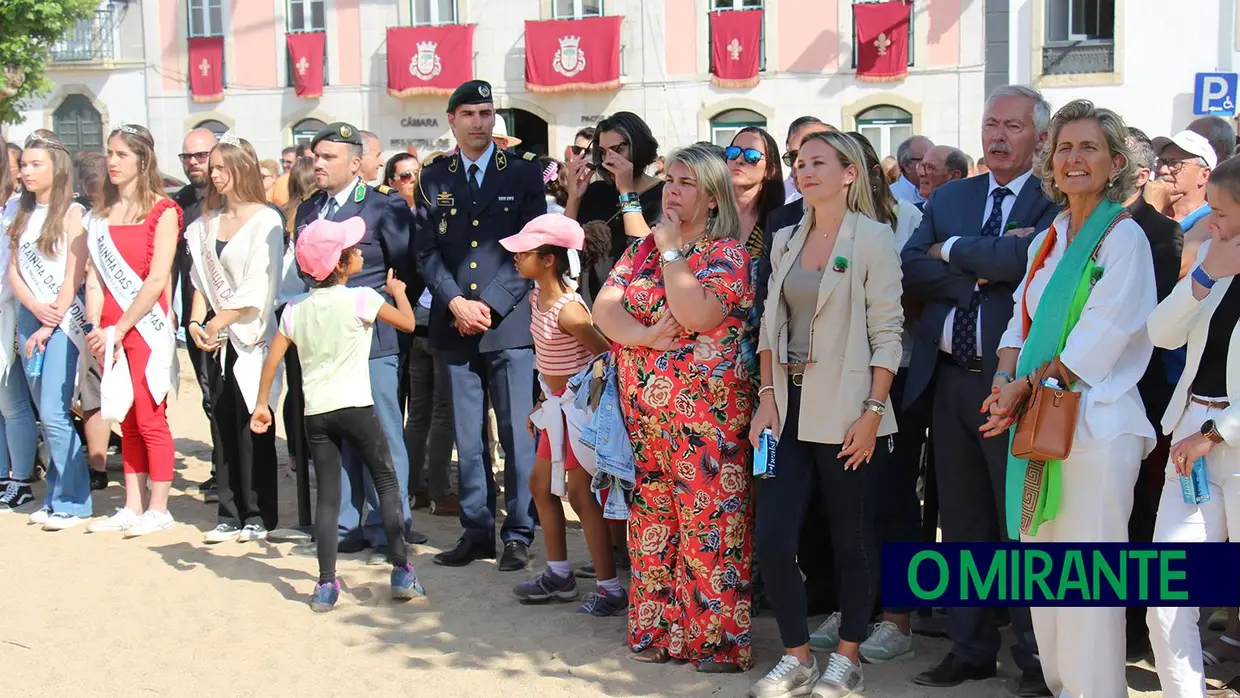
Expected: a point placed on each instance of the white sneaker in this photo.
(840, 678)
(886, 643)
(151, 522)
(252, 532)
(788, 678)
(119, 522)
(41, 516)
(222, 534)
(61, 522)
(827, 636)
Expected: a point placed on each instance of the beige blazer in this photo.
(857, 326)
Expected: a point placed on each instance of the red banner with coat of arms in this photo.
(429, 60)
(882, 40)
(580, 55)
(305, 55)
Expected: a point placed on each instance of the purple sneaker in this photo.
(405, 584)
(324, 597)
(547, 587)
(603, 605)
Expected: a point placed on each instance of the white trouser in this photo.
(1083, 649)
(1173, 631)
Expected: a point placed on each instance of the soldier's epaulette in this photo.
(434, 158)
(384, 189)
(523, 154)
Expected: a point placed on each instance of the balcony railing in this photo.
(93, 39)
(1076, 57)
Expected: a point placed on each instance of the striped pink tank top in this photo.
(556, 352)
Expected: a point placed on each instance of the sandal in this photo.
(652, 655)
(1224, 649)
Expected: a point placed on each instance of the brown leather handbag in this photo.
(1046, 427)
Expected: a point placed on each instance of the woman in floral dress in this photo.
(677, 304)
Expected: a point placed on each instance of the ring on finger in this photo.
(1180, 459)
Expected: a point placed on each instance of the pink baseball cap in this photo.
(547, 229)
(320, 244)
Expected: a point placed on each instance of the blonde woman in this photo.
(829, 349)
(46, 265)
(677, 304)
(1080, 312)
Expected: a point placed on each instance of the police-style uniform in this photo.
(456, 242)
(385, 246)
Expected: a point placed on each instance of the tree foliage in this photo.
(28, 28)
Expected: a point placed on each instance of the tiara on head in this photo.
(230, 138)
(45, 144)
(126, 128)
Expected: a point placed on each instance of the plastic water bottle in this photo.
(34, 365)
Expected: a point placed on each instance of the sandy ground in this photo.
(167, 616)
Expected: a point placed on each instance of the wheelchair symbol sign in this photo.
(1215, 93)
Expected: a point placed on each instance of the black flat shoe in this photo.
(465, 552)
(416, 537)
(953, 671)
(1032, 685)
(516, 556)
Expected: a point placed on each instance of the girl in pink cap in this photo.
(332, 327)
(548, 252)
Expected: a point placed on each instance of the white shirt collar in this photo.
(482, 161)
(1013, 186)
(343, 197)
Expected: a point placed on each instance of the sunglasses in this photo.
(752, 156)
(406, 176)
(202, 155)
(577, 149)
(790, 158)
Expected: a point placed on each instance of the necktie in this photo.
(964, 329)
(331, 209)
(473, 181)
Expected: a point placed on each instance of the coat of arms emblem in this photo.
(569, 58)
(425, 65)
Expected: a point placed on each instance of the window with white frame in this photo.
(729, 5)
(885, 127)
(725, 125)
(577, 9)
(432, 13)
(1080, 37)
(206, 18)
(306, 16)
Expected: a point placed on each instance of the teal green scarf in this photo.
(1032, 489)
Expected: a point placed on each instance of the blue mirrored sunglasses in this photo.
(752, 156)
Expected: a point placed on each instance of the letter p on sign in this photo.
(1215, 93)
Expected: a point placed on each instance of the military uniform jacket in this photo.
(385, 246)
(456, 242)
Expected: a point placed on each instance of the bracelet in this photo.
(631, 208)
(1005, 376)
(630, 198)
(873, 402)
(766, 389)
(194, 322)
(1201, 276)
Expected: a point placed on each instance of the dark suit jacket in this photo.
(955, 210)
(385, 246)
(1167, 244)
(782, 217)
(191, 208)
(458, 251)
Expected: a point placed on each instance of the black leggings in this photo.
(359, 427)
(851, 500)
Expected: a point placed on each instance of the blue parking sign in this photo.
(1215, 93)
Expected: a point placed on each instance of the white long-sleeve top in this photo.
(1108, 349)
(251, 262)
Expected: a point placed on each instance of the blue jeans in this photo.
(16, 425)
(507, 379)
(68, 479)
(356, 483)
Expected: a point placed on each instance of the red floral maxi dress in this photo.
(687, 411)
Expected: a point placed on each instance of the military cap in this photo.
(339, 132)
(472, 92)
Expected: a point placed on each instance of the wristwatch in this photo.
(875, 406)
(1210, 431)
(671, 256)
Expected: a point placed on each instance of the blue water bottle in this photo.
(1195, 487)
(34, 365)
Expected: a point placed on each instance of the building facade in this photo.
(130, 63)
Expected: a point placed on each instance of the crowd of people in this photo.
(631, 328)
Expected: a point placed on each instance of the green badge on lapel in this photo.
(1011, 225)
(359, 193)
(1095, 275)
(841, 265)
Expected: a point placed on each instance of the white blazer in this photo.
(1182, 319)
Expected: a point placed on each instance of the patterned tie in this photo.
(964, 329)
(473, 182)
(331, 209)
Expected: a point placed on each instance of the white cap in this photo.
(1190, 142)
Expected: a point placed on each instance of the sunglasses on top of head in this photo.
(751, 155)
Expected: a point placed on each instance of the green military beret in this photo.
(339, 132)
(472, 92)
